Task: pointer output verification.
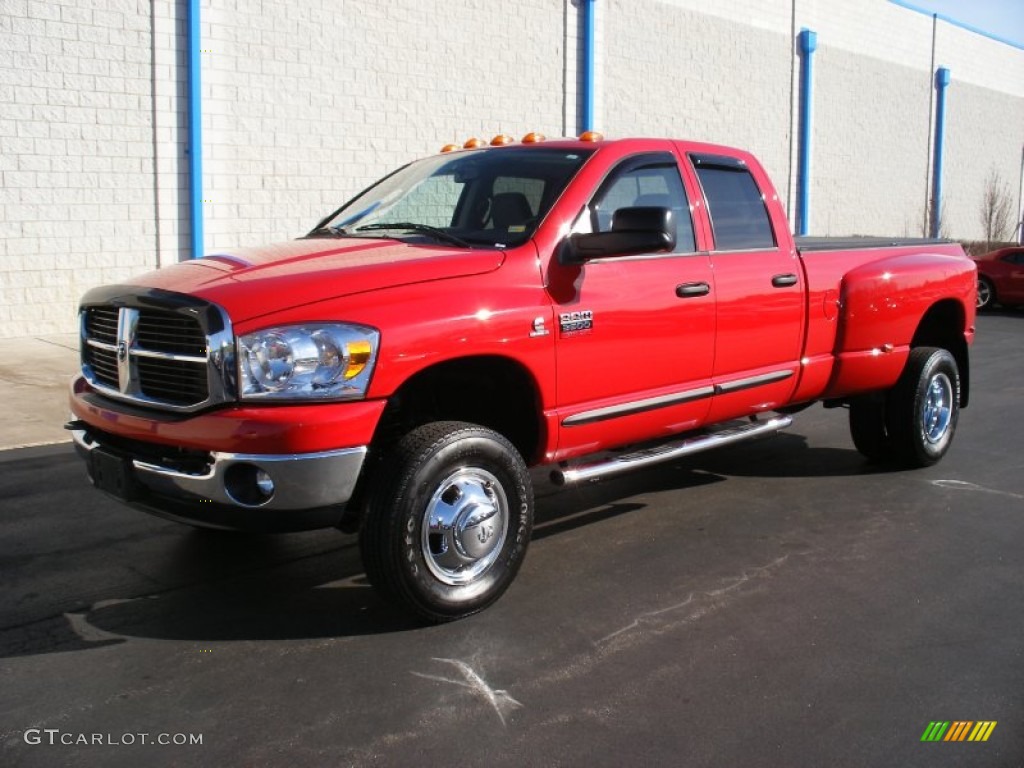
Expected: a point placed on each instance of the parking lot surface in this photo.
(780, 603)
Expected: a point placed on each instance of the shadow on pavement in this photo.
(215, 586)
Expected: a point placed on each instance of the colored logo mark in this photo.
(958, 730)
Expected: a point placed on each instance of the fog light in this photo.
(264, 483)
(248, 485)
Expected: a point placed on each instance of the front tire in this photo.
(448, 520)
(923, 408)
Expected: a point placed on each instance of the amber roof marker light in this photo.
(533, 138)
(591, 136)
(473, 143)
(501, 140)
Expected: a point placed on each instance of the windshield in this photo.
(490, 197)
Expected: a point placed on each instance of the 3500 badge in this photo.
(576, 322)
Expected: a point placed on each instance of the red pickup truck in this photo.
(397, 370)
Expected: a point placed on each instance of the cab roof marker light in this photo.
(591, 136)
(473, 143)
(450, 148)
(501, 140)
(533, 138)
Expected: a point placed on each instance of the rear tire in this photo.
(868, 428)
(448, 520)
(923, 408)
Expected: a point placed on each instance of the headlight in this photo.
(329, 361)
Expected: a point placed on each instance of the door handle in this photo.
(690, 290)
(784, 281)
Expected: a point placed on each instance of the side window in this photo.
(1016, 258)
(638, 184)
(739, 218)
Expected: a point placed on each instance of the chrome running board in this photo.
(625, 462)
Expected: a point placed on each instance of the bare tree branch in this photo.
(996, 214)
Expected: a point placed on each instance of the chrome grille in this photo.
(162, 331)
(158, 357)
(178, 382)
(101, 324)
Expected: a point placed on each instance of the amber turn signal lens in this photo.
(358, 357)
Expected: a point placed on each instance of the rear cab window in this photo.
(736, 207)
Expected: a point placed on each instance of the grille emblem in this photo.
(127, 324)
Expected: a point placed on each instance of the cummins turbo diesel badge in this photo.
(576, 322)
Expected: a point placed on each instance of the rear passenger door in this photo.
(759, 292)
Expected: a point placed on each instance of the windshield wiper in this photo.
(426, 229)
(327, 232)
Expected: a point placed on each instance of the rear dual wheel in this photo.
(913, 423)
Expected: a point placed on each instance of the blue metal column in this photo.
(941, 82)
(589, 44)
(808, 44)
(195, 131)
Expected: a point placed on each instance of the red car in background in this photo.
(1001, 276)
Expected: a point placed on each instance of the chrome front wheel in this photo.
(448, 520)
(464, 526)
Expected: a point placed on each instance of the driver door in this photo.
(636, 334)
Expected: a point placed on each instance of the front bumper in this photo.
(204, 468)
(254, 492)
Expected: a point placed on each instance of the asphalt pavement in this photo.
(778, 603)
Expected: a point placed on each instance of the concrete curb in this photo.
(35, 373)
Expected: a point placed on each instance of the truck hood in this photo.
(251, 282)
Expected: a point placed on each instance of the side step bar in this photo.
(674, 449)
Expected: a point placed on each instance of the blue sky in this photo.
(1002, 18)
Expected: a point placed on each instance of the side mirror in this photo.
(646, 229)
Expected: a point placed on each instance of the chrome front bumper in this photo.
(245, 486)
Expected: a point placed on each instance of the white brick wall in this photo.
(78, 189)
(706, 79)
(306, 102)
(983, 132)
(869, 173)
(727, 72)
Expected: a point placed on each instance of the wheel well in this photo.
(943, 326)
(493, 392)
